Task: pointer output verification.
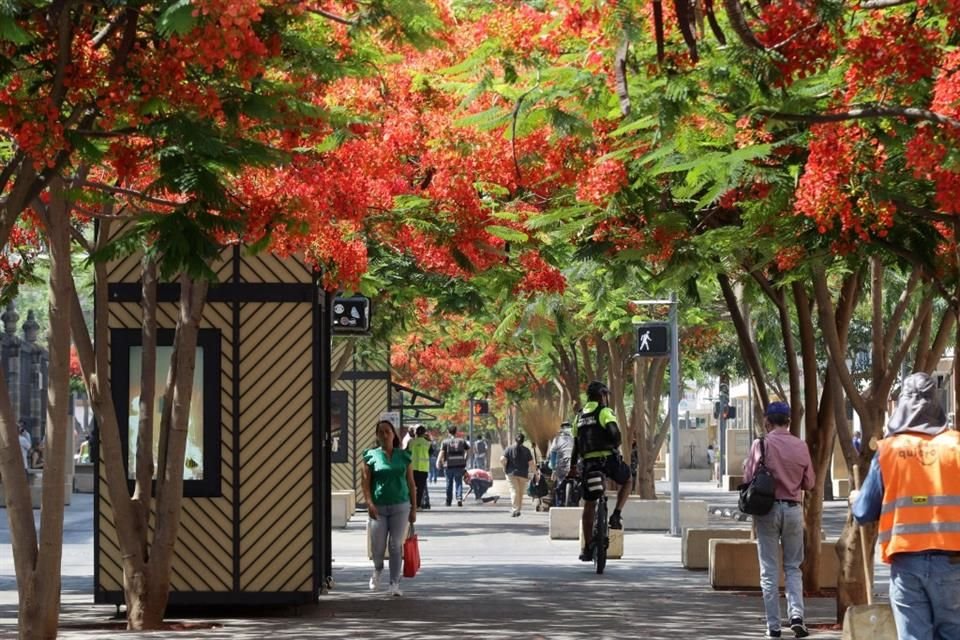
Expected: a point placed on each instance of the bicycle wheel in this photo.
(601, 539)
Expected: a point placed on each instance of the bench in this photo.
(342, 507)
(695, 547)
(734, 564)
(565, 522)
(654, 515)
(83, 478)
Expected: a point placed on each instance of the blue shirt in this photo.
(867, 506)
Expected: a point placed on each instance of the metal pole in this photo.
(674, 419)
(470, 433)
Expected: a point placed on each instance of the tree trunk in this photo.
(173, 440)
(42, 620)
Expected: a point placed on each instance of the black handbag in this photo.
(757, 496)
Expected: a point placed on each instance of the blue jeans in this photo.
(782, 527)
(454, 477)
(925, 596)
(479, 487)
(433, 469)
(393, 520)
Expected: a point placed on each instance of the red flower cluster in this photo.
(830, 191)
(889, 50)
(601, 181)
(793, 28)
(539, 276)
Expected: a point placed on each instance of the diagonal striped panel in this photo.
(124, 269)
(203, 556)
(370, 401)
(276, 446)
(271, 269)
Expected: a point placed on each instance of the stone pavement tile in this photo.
(485, 576)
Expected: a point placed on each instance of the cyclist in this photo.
(596, 439)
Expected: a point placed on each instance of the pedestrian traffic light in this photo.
(481, 408)
(730, 412)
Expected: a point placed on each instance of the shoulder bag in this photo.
(757, 496)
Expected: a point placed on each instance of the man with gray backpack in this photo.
(785, 457)
(453, 457)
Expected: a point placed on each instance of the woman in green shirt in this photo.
(391, 498)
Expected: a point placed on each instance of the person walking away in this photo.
(453, 458)
(480, 458)
(559, 454)
(479, 481)
(596, 439)
(419, 449)
(391, 496)
(781, 531)
(517, 463)
(913, 489)
(434, 452)
(26, 443)
(712, 461)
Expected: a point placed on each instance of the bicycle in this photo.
(601, 528)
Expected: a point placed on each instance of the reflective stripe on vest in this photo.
(420, 450)
(921, 497)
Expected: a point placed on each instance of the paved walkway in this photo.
(485, 575)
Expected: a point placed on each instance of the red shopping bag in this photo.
(411, 555)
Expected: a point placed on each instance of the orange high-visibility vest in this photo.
(921, 493)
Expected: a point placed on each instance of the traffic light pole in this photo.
(674, 419)
(644, 349)
(722, 428)
(470, 433)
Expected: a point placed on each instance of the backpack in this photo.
(757, 496)
(456, 450)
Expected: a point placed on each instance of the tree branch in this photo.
(868, 111)
(620, 73)
(130, 192)
(883, 4)
(332, 16)
(740, 25)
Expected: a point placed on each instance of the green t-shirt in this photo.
(388, 476)
(419, 448)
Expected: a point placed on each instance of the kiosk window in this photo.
(201, 466)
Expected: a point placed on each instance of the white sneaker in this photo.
(375, 580)
(394, 589)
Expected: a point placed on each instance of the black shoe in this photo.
(799, 629)
(616, 522)
(448, 504)
(459, 503)
(587, 554)
(772, 634)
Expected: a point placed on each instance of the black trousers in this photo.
(420, 479)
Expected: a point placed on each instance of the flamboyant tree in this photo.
(843, 118)
(163, 118)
